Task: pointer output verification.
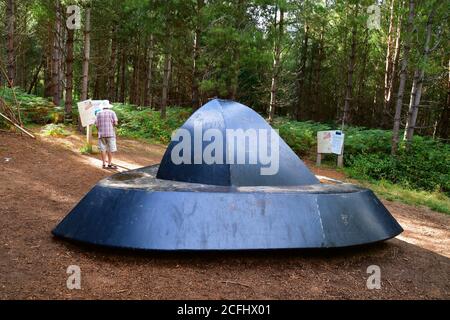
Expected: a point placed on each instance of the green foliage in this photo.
(87, 149)
(146, 123)
(424, 166)
(300, 136)
(55, 130)
(33, 109)
(434, 200)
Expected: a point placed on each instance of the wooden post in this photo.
(89, 135)
(340, 159)
(319, 159)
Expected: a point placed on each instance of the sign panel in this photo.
(88, 110)
(330, 141)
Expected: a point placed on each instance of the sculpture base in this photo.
(136, 210)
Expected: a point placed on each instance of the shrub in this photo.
(55, 130)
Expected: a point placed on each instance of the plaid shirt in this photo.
(105, 123)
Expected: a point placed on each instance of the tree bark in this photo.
(36, 76)
(196, 55)
(112, 70)
(444, 118)
(48, 61)
(165, 87)
(301, 74)
(69, 77)
(351, 69)
(403, 71)
(86, 56)
(56, 56)
(279, 28)
(416, 89)
(10, 26)
(388, 75)
(123, 66)
(317, 77)
(149, 83)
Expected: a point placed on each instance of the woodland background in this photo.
(305, 65)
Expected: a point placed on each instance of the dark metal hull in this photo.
(136, 210)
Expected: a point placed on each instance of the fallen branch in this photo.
(17, 126)
(237, 283)
(11, 86)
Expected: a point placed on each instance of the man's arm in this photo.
(116, 120)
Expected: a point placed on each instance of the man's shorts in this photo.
(107, 144)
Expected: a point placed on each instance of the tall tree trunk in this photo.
(149, 83)
(388, 64)
(444, 118)
(69, 77)
(361, 112)
(196, 71)
(113, 66)
(317, 76)
(56, 56)
(416, 90)
(394, 63)
(123, 68)
(86, 56)
(165, 87)
(350, 71)
(279, 27)
(403, 71)
(48, 86)
(36, 76)
(301, 74)
(10, 26)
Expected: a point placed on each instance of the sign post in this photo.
(88, 111)
(330, 142)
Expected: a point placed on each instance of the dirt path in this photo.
(40, 181)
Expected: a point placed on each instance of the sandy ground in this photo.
(40, 181)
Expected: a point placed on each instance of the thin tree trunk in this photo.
(318, 70)
(86, 56)
(36, 76)
(403, 71)
(123, 76)
(388, 64)
(56, 56)
(149, 83)
(112, 70)
(279, 27)
(394, 64)
(301, 75)
(362, 79)
(416, 90)
(444, 120)
(165, 87)
(196, 71)
(10, 26)
(351, 69)
(69, 77)
(48, 86)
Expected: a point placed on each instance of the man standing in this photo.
(105, 121)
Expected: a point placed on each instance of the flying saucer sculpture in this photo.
(226, 182)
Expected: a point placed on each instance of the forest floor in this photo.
(41, 180)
